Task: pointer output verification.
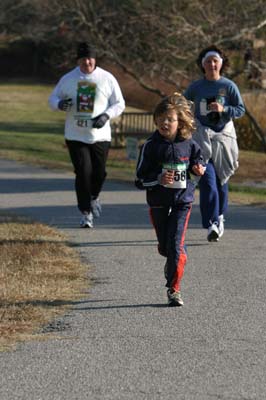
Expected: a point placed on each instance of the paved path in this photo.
(122, 342)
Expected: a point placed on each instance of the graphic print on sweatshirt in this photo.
(205, 104)
(85, 97)
(205, 109)
(86, 92)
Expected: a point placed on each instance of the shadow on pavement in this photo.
(135, 216)
(27, 180)
(35, 185)
(41, 183)
(121, 306)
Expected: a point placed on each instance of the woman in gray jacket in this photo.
(217, 103)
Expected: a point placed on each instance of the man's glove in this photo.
(99, 122)
(65, 105)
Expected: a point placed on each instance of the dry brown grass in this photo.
(40, 277)
(256, 102)
(252, 167)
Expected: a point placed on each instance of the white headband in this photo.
(213, 54)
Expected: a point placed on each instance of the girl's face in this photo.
(167, 124)
(212, 66)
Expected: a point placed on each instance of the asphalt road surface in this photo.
(122, 341)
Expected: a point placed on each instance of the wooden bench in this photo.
(139, 125)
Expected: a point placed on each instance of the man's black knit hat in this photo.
(84, 49)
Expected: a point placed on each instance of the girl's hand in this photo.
(198, 169)
(167, 178)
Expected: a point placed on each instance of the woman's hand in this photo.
(198, 169)
(215, 106)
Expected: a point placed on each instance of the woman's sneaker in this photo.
(213, 233)
(86, 220)
(174, 298)
(96, 207)
(221, 225)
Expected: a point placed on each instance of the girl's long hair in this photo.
(184, 111)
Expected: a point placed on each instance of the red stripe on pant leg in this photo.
(179, 272)
(182, 258)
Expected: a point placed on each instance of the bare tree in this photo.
(147, 38)
(156, 36)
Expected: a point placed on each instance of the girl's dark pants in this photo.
(89, 161)
(170, 226)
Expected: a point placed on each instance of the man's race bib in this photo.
(180, 175)
(82, 121)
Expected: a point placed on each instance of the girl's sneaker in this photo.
(174, 298)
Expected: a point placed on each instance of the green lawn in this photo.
(28, 128)
(30, 131)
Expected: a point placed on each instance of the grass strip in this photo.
(41, 276)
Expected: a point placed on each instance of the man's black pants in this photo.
(89, 161)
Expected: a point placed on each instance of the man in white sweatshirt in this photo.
(90, 96)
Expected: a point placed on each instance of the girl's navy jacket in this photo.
(158, 153)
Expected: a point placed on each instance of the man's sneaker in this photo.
(221, 225)
(213, 233)
(86, 220)
(96, 207)
(174, 298)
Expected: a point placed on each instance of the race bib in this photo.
(180, 175)
(82, 122)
